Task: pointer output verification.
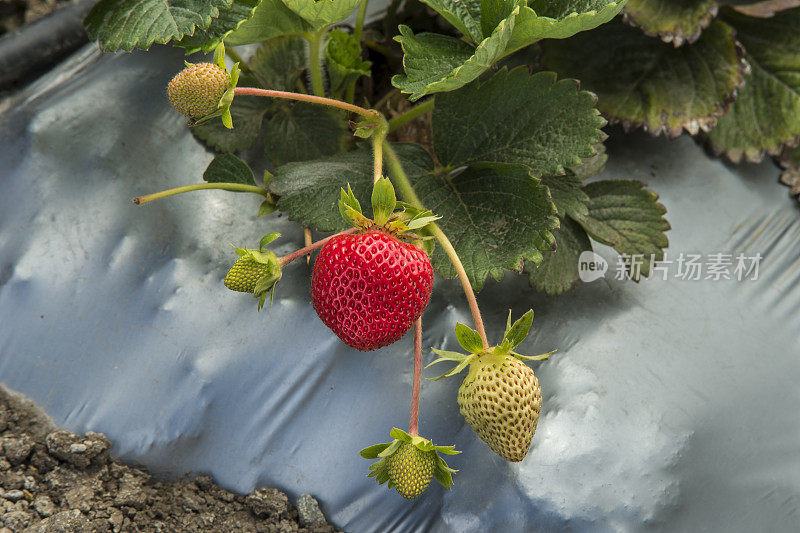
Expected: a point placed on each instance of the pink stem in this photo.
(413, 423)
(253, 91)
(285, 260)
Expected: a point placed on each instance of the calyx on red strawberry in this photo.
(370, 286)
(408, 463)
(500, 398)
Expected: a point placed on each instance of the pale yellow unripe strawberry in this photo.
(196, 90)
(501, 399)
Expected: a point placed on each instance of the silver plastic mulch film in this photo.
(671, 404)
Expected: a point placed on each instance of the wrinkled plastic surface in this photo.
(670, 405)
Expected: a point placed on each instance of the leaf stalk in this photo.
(235, 187)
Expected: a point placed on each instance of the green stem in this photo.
(253, 91)
(362, 13)
(411, 114)
(314, 63)
(377, 145)
(403, 186)
(235, 187)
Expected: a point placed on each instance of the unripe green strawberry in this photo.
(411, 470)
(501, 399)
(196, 90)
(244, 274)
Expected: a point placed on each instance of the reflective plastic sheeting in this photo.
(670, 405)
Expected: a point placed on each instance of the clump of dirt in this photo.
(16, 13)
(54, 481)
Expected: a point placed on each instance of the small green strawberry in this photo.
(500, 398)
(409, 463)
(196, 90)
(244, 274)
(411, 470)
(256, 271)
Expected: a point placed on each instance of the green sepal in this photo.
(443, 473)
(371, 452)
(540, 357)
(384, 451)
(516, 332)
(267, 206)
(266, 239)
(348, 203)
(383, 201)
(468, 338)
(224, 107)
(462, 359)
(265, 285)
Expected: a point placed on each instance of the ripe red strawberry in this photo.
(501, 399)
(196, 90)
(370, 287)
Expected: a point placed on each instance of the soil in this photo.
(54, 481)
(16, 13)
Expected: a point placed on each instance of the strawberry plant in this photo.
(461, 124)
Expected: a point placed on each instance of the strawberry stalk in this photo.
(413, 423)
(402, 183)
(235, 187)
(253, 91)
(285, 260)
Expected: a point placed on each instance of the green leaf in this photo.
(567, 194)
(519, 330)
(303, 131)
(789, 161)
(558, 271)
(641, 81)
(591, 166)
(517, 118)
(673, 21)
(280, 63)
(247, 113)
(464, 15)
(321, 13)
(271, 19)
(468, 338)
(495, 214)
(625, 215)
(227, 168)
(345, 66)
(310, 191)
(227, 21)
(383, 201)
(559, 19)
(766, 115)
(435, 63)
(492, 12)
(127, 25)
